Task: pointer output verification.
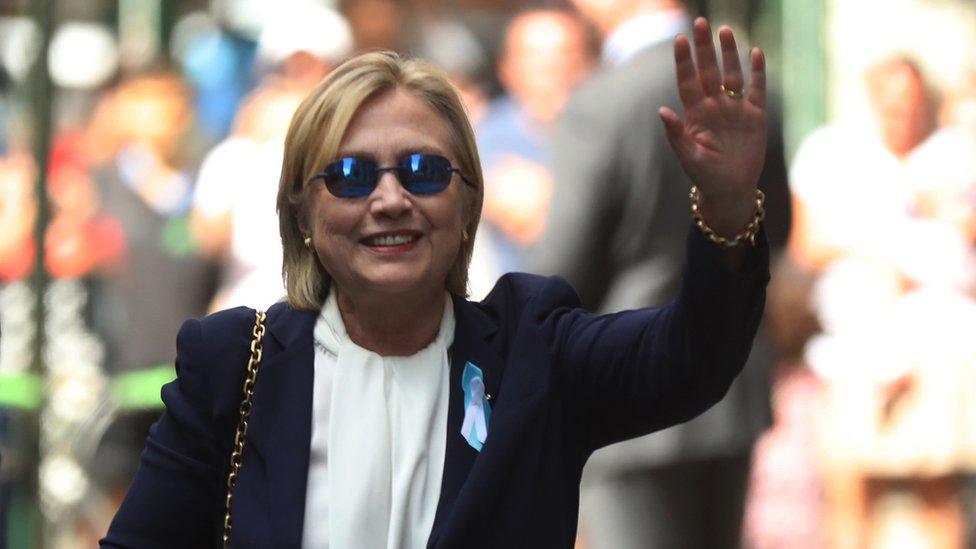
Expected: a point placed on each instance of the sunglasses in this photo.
(419, 174)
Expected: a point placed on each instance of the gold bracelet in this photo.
(749, 233)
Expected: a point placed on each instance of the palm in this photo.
(721, 141)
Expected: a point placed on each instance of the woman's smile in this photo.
(392, 242)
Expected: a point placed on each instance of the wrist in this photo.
(728, 215)
(728, 220)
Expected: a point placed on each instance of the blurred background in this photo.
(140, 145)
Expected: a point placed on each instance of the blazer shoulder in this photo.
(514, 293)
(214, 342)
(216, 330)
(211, 360)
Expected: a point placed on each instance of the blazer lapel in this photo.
(472, 329)
(281, 419)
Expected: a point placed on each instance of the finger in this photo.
(688, 86)
(708, 72)
(674, 129)
(757, 80)
(672, 123)
(731, 69)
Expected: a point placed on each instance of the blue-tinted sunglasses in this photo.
(420, 174)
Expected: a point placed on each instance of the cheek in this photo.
(332, 220)
(454, 226)
(334, 244)
(450, 218)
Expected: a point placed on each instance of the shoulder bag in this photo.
(257, 335)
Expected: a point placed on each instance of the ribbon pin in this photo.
(477, 411)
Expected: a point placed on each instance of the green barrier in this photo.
(140, 390)
(21, 390)
(22, 519)
(132, 390)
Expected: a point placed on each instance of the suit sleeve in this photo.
(175, 499)
(635, 372)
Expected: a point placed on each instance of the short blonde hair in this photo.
(313, 140)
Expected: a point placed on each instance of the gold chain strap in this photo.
(237, 455)
(747, 234)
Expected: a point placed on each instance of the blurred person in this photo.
(546, 53)
(235, 184)
(904, 119)
(450, 44)
(390, 411)
(141, 145)
(219, 64)
(18, 212)
(615, 233)
(376, 24)
(301, 43)
(786, 505)
(80, 238)
(233, 216)
(951, 196)
(958, 115)
(894, 297)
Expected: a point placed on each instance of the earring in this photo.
(465, 236)
(308, 242)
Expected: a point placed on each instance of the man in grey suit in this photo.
(616, 229)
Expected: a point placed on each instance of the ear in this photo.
(303, 212)
(303, 225)
(302, 219)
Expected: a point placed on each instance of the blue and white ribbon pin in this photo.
(477, 410)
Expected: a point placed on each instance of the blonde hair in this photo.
(313, 140)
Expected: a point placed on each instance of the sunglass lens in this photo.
(351, 177)
(424, 173)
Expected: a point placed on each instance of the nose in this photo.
(389, 198)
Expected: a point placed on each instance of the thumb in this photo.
(673, 128)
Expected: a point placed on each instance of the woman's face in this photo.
(351, 235)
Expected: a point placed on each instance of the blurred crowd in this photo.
(883, 238)
(161, 187)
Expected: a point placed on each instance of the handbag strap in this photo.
(237, 454)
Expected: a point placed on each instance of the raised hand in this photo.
(721, 142)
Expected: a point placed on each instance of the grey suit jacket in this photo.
(616, 230)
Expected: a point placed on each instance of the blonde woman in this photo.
(389, 411)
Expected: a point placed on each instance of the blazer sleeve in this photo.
(635, 372)
(175, 499)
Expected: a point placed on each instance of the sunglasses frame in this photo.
(378, 170)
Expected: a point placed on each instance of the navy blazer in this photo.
(564, 383)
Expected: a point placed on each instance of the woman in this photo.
(897, 303)
(391, 412)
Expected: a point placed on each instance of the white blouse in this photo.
(378, 439)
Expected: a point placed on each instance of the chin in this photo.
(404, 283)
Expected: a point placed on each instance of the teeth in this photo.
(395, 240)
